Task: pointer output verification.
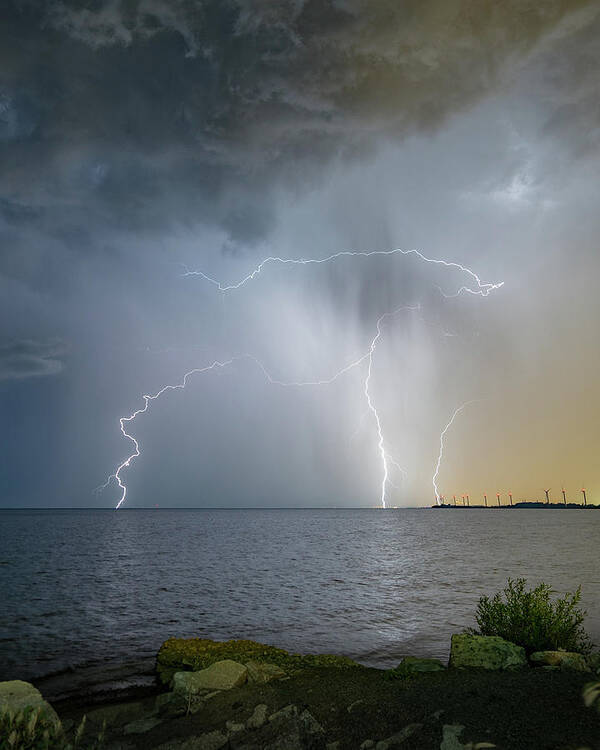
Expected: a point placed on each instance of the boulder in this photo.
(140, 726)
(234, 726)
(258, 718)
(261, 673)
(284, 713)
(563, 659)
(16, 696)
(450, 735)
(485, 652)
(413, 664)
(298, 732)
(222, 675)
(353, 706)
(398, 738)
(179, 654)
(209, 741)
(593, 661)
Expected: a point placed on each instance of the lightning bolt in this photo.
(147, 399)
(273, 381)
(385, 458)
(441, 453)
(482, 289)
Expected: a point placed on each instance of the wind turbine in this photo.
(548, 495)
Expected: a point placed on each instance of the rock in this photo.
(450, 741)
(262, 673)
(222, 675)
(398, 738)
(284, 713)
(118, 714)
(234, 727)
(413, 664)
(184, 702)
(139, 726)
(298, 732)
(485, 652)
(163, 700)
(16, 695)
(258, 718)
(450, 735)
(311, 725)
(593, 661)
(209, 741)
(179, 654)
(563, 659)
(367, 745)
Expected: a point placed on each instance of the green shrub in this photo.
(532, 620)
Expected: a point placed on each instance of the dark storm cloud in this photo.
(27, 358)
(144, 113)
(140, 135)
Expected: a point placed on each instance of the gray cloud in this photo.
(134, 113)
(27, 358)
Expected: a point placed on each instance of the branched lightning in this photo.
(147, 399)
(273, 381)
(441, 453)
(483, 288)
(480, 288)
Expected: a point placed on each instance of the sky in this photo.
(140, 139)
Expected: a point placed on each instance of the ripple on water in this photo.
(85, 593)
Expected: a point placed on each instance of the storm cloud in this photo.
(146, 113)
(139, 138)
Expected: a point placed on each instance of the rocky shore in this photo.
(244, 695)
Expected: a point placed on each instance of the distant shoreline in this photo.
(539, 504)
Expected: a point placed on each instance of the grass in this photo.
(30, 729)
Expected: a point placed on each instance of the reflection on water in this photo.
(92, 589)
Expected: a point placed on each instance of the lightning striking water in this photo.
(273, 381)
(147, 399)
(441, 453)
(482, 289)
(385, 458)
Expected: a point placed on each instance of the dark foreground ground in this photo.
(533, 709)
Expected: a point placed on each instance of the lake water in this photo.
(88, 596)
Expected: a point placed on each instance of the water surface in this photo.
(93, 593)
